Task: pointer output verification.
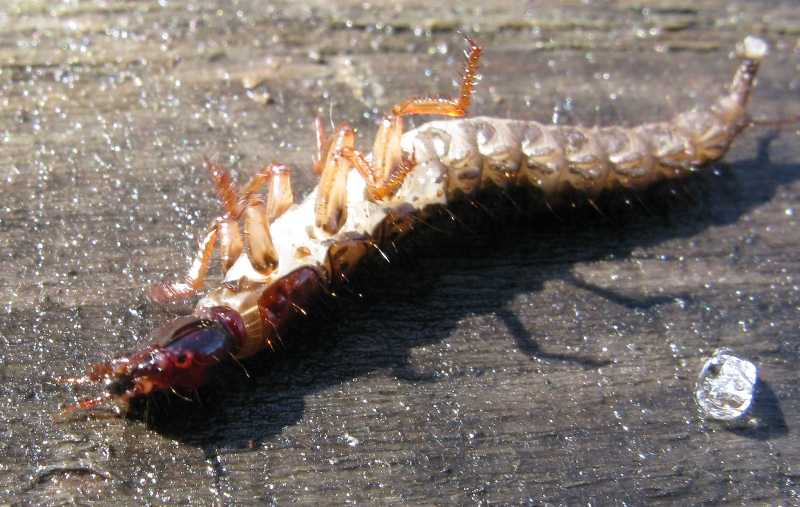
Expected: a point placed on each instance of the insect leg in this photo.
(230, 239)
(775, 123)
(389, 164)
(320, 142)
(235, 202)
(257, 216)
(260, 248)
(444, 106)
(378, 188)
(280, 196)
(195, 279)
(331, 206)
(259, 244)
(230, 242)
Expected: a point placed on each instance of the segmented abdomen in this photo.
(480, 152)
(485, 151)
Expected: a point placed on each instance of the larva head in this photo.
(181, 357)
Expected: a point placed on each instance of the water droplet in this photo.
(726, 386)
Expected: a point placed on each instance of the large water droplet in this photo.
(726, 386)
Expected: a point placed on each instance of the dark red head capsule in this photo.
(181, 356)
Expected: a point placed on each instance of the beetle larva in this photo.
(290, 254)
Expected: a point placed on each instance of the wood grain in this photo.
(550, 361)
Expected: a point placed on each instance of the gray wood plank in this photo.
(545, 362)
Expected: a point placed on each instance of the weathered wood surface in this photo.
(548, 365)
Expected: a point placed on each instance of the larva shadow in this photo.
(459, 285)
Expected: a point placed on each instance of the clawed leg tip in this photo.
(167, 293)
